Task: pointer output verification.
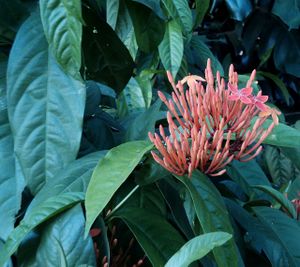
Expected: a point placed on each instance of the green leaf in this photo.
(154, 5)
(144, 123)
(131, 99)
(148, 27)
(288, 11)
(201, 53)
(112, 10)
(279, 83)
(197, 248)
(286, 232)
(45, 107)
(41, 213)
(201, 9)
(74, 178)
(180, 10)
(283, 135)
(147, 228)
(109, 174)
(62, 26)
(247, 174)
(280, 198)
(294, 189)
(212, 214)
(239, 9)
(10, 198)
(171, 48)
(106, 58)
(62, 242)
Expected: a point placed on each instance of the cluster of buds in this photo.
(209, 124)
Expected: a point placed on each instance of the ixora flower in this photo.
(210, 124)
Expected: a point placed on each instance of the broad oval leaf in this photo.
(62, 241)
(288, 11)
(280, 198)
(41, 213)
(45, 106)
(148, 227)
(62, 26)
(197, 248)
(212, 214)
(109, 174)
(285, 230)
(171, 48)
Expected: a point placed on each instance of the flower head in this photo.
(209, 125)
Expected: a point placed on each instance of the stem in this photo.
(122, 202)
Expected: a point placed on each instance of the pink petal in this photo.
(263, 98)
(246, 91)
(246, 100)
(233, 97)
(232, 88)
(261, 106)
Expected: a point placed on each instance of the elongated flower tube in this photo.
(210, 123)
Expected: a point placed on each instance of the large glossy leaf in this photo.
(62, 26)
(112, 10)
(109, 174)
(62, 241)
(148, 27)
(180, 10)
(197, 248)
(41, 213)
(288, 11)
(171, 48)
(45, 107)
(74, 178)
(9, 197)
(201, 53)
(106, 58)
(212, 214)
(284, 229)
(247, 174)
(239, 9)
(280, 198)
(147, 228)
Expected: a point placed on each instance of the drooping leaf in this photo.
(247, 174)
(285, 231)
(201, 9)
(212, 214)
(147, 228)
(106, 58)
(62, 241)
(45, 106)
(180, 11)
(109, 174)
(288, 11)
(62, 26)
(153, 5)
(144, 123)
(197, 248)
(112, 10)
(74, 178)
(280, 198)
(239, 9)
(10, 199)
(41, 213)
(148, 27)
(171, 48)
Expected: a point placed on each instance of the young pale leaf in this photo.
(212, 214)
(197, 248)
(41, 213)
(62, 26)
(109, 174)
(280, 198)
(45, 106)
(171, 48)
(285, 230)
(148, 227)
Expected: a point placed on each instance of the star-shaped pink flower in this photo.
(243, 94)
(259, 101)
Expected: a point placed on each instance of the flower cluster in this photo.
(211, 123)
